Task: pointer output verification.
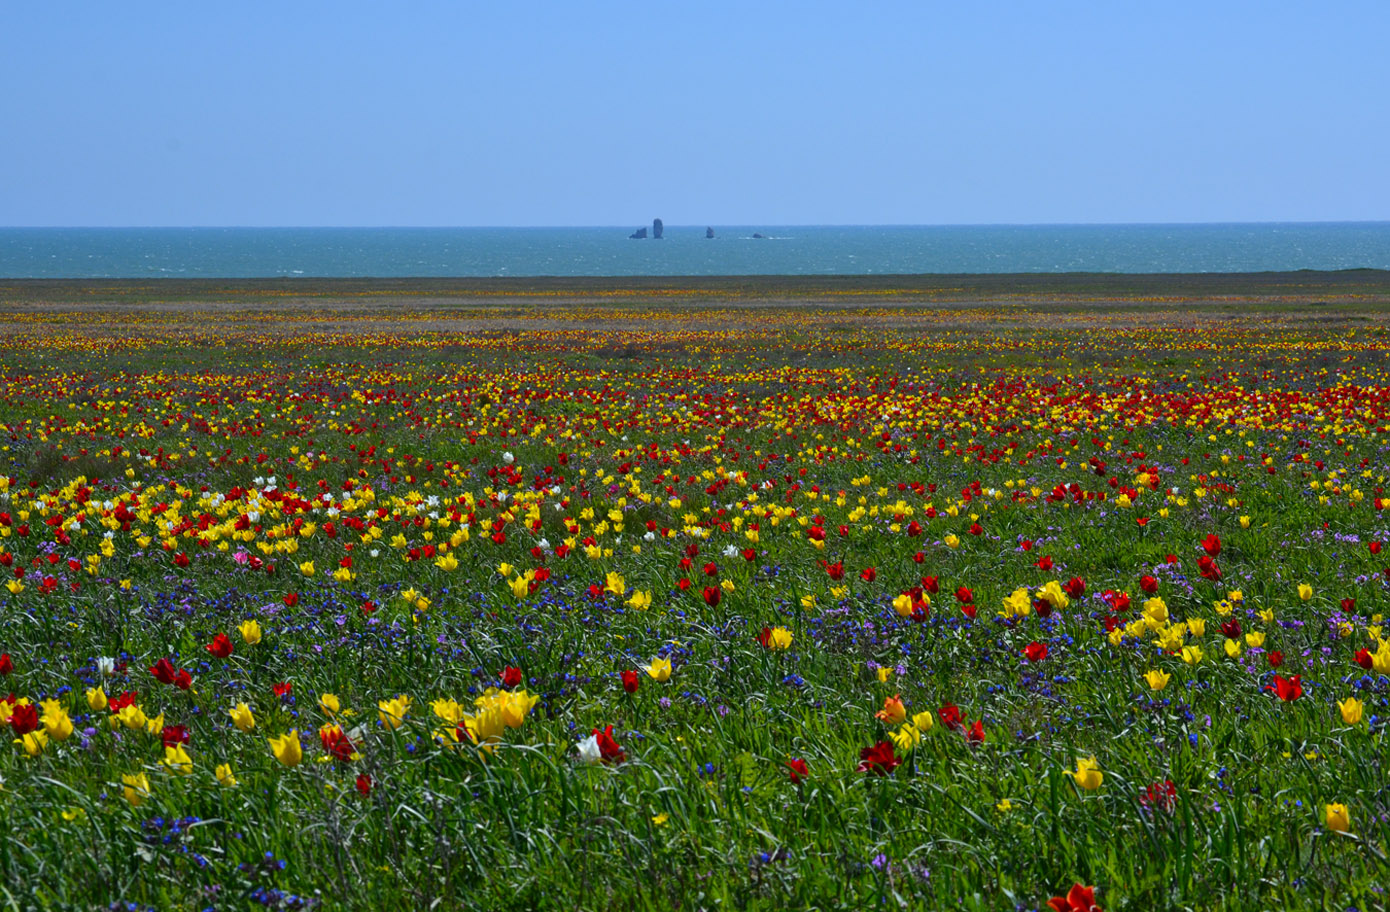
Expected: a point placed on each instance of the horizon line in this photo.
(700, 226)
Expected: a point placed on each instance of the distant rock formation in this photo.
(709, 233)
(656, 229)
(639, 234)
(758, 236)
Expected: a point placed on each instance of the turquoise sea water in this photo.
(799, 250)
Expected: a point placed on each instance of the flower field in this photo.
(661, 605)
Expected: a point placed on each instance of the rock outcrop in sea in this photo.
(709, 233)
(639, 234)
(657, 228)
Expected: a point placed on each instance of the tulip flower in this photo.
(1088, 774)
(33, 743)
(136, 788)
(224, 775)
(1286, 689)
(893, 711)
(1078, 899)
(242, 717)
(250, 632)
(1338, 818)
(660, 670)
(393, 712)
(287, 748)
(879, 759)
(796, 770)
(329, 703)
(96, 699)
(775, 638)
(1351, 709)
(176, 760)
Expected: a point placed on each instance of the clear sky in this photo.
(596, 113)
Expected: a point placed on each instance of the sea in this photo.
(96, 253)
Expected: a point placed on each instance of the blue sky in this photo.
(703, 113)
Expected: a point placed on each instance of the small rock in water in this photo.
(709, 233)
(656, 229)
(639, 234)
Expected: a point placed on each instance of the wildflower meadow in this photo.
(678, 601)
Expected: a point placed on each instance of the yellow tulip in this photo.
(780, 638)
(1351, 710)
(287, 748)
(176, 759)
(1088, 774)
(57, 724)
(250, 632)
(660, 670)
(136, 788)
(393, 712)
(132, 716)
(1305, 591)
(224, 775)
(924, 721)
(96, 699)
(1157, 679)
(33, 743)
(329, 703)
(1338, 818)
(242, 717)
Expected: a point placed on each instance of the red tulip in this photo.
(1276, 658)
(336, 742)
(1286, 689)
(1363, 658)
(1035, 651)
(6, 663)
(511, 677)
(868, 574)
(609, 749)
(1212, 545)
(1075, 587)
(1078, 899)
(630, 681)
(1148, 583)
(879, 759)
(24, 719)
(220, 646)
(364, 784)
(964, 596)
(163, 671)
(796, 770)
(713, 594)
